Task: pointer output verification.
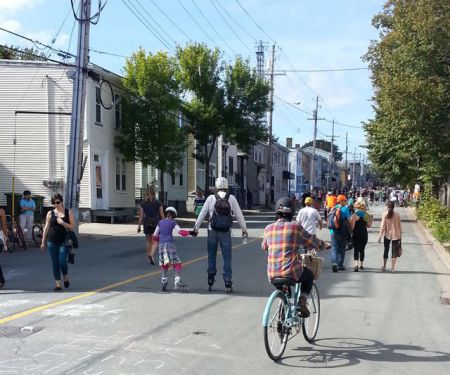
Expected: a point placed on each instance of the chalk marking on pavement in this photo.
(47, 306)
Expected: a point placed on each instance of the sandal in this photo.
(383, 268)
(356, 269)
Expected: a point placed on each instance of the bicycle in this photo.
(281, 316)
(15, 235)
(37, 233)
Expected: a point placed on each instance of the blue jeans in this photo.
(224, 238)
(338, 245)
(58, 255)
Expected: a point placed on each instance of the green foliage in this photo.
(17, 53)
(409, 138)
(220, 100)
(325, 145)
(151, 131)
(435, 215)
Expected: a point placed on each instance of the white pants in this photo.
(26, 221)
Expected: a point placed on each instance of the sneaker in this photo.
(303, 307)
(334, 268)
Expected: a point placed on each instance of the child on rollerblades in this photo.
(168, 254)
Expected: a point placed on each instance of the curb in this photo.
(443, 254)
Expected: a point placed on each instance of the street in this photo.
(114, 319)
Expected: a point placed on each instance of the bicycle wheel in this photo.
(21, 237)
(310, 325)
(275, 331)
(11, 240)
(37, 234)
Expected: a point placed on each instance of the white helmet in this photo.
(221, 183)
(171, 209)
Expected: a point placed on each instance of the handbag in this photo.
(398, 249)
(70, 243)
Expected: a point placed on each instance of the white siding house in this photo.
(34, 142)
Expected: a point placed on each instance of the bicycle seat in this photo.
(279, 281)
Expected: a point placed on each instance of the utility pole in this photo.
(346, 152)
(331, 167)
(353, 169)
(313, 162)
(269, 164)
(77, 118)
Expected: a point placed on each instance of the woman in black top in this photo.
(57, 223)
(150, 212)
(363, 220)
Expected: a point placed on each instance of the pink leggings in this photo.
(176, 267)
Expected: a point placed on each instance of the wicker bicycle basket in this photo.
(314, 263)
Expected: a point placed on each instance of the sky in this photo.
(308, 35)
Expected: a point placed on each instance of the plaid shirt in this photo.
(282, 239)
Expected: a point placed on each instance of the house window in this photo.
(181, 179)
(121, 177)
(173, 178)
(118, 111)
(98, 107)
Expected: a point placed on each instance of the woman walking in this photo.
(150, 212)
(362, 221)
(57, 223)
(391, 229)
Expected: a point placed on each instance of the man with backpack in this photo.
(340, 226)
(220, 207)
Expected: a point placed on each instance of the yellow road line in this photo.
(33, 310)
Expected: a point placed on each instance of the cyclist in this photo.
(282, 240)
(3, 241)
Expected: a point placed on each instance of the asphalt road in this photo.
(115, 320)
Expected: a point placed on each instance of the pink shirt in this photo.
(391, 228)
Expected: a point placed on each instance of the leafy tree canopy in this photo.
(409, 137)
(151, 131)
(18, 53)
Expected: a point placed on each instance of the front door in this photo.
(99, 182)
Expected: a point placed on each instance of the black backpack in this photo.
(221, 219)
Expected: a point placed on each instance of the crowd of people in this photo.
(347, 218)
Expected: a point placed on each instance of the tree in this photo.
(199, 73)
(409, 137)
(17, 53)
(222, 100)
(151, 131)
(246, 103)
(326, 146)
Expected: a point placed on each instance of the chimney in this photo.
(289, 142)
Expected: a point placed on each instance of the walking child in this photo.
(168, 254)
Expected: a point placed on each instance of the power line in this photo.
(256, 23)
(156, 23)
(229, 26)
(212, 27)
(171, 21)
(108, 53)
(147, 25)
(57, 51)
(42, 58)
(320, 70)
(236, 22)
(195, 21)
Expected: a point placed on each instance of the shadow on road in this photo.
(343, 352)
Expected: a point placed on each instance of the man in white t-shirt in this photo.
(309, 216)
